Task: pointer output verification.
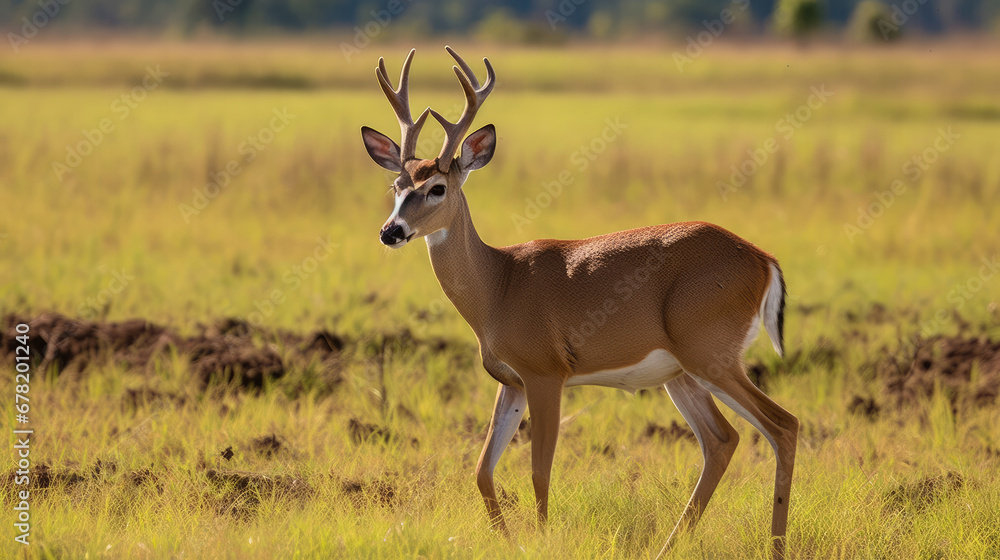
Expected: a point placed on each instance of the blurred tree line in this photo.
(510, 20)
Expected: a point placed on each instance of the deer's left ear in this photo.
(478, 148)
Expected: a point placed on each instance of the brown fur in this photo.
(421, 169)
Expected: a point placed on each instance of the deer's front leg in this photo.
(507, 413)
(544, 399)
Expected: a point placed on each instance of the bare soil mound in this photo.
(45, 476)
(924, 493)
(266, 445)
(229, 351)
(669, 434)
(363, 432)
(363, 494)
(967, 370)
(240, 493)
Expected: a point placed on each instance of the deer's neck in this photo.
(469, 271)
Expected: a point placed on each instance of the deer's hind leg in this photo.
(728, 381)
(717, 438)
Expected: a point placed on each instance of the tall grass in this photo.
(616, 491)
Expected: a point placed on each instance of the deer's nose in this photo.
(390, 235)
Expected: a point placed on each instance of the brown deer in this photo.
(675, 305)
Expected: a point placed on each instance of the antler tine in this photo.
(399, 99)
(474, 98)
(465, 67)
(480, 92)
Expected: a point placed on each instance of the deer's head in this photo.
(428, 191)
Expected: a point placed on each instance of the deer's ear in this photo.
(382, 149)
(478, 148)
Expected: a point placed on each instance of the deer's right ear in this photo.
(382, 149)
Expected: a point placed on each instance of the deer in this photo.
(673, 305)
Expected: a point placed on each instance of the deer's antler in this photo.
(400, 101)
(474, 98)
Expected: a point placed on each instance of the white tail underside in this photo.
(770, 307)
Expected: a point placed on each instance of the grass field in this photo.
(879, 197)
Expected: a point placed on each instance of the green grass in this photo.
(62, 241)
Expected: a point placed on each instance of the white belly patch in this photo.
(658, 367)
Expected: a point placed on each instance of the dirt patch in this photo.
(59, 342)
(144, 477)
(925, 492)
(916, 372)
(320, 351)
(243, 491)
(669, 434)
(45, 476)
(229, 350)
(41, 477)
(134, 399)
(267, 445)
(260, 483)
(377, 492)
(230, 358)
(864, 406)
(363, 432)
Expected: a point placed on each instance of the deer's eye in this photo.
(436, 190)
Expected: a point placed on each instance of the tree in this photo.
(872, 21)
(798, 18)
